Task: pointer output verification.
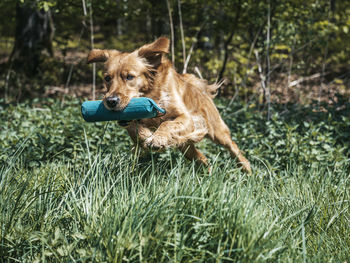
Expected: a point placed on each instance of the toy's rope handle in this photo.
(161, 112)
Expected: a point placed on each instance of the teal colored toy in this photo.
(138, 108)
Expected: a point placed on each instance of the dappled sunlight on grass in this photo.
(75, 191)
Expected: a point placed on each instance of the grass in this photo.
(73, 192)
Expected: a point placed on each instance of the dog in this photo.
(191, 113)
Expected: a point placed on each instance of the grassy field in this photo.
(74, 192)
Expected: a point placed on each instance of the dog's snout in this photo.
(112, 101)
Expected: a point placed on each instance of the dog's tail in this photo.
(212, 89)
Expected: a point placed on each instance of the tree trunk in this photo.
(228, 41)
(34, 33)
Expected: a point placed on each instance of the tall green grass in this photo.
(73, 192)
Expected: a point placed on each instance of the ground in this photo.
(74, 191)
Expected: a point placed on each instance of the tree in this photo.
(34, 33)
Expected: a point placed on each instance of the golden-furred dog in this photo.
(190, 111)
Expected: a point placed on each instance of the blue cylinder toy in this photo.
(138, 108)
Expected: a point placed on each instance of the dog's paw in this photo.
(156, 142)
(244, 163)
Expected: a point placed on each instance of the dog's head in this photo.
(129, 75)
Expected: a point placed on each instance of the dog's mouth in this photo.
(116, 108)
(120, 106)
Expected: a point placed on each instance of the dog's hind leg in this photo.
(192, 153)
(222, 136)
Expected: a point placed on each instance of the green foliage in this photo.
(73, 191)
(51, 130)
(306, 36)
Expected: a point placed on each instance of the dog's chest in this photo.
(164, 99)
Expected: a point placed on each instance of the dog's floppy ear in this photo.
(153, 52)
(101, 55)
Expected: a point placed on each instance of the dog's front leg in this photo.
(138, 132)
(171, 133)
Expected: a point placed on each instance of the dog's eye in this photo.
(108, 78)
(130, 77)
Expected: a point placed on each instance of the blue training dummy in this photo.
(138, 108)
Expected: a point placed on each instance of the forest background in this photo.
(292, 51)
(72, 191)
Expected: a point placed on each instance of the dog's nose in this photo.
(112, 101)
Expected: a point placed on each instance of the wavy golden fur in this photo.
(191, 114)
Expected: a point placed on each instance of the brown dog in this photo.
(190, 111)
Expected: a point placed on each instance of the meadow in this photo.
(72, 191)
